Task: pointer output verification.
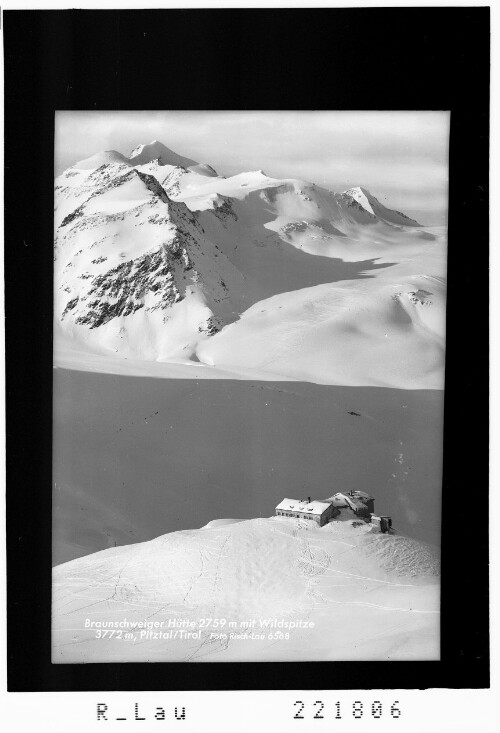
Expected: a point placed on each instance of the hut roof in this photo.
(298, 505)
(339, 499)
(362, 495)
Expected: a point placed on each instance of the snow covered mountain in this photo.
(159, 258)
(361, 198)
(134, 268)
(156, 152)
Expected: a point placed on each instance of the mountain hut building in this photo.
(324, 510)
(320, 512)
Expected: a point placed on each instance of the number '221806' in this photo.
(357, 709)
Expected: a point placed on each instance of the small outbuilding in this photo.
(320, 512)
(361, 497)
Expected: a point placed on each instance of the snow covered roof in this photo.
(299, 505)
(339, 499)
(362, 495)
(356, 499)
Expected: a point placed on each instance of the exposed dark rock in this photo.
(69, 306)
(122, 290)
(73, 215)
(224, 210)
(212, 326)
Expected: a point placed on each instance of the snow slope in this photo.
(284, 590)
(159, 258)
(321, 334)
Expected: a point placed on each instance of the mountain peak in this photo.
(104, 157)
(358, 192)
(153, 146)
(363, 197)
(155, 150)
(373, 206)
(357, 189)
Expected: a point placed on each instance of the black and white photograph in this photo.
(246, 274)
(249, 344)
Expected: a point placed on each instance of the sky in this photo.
(400, 157)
